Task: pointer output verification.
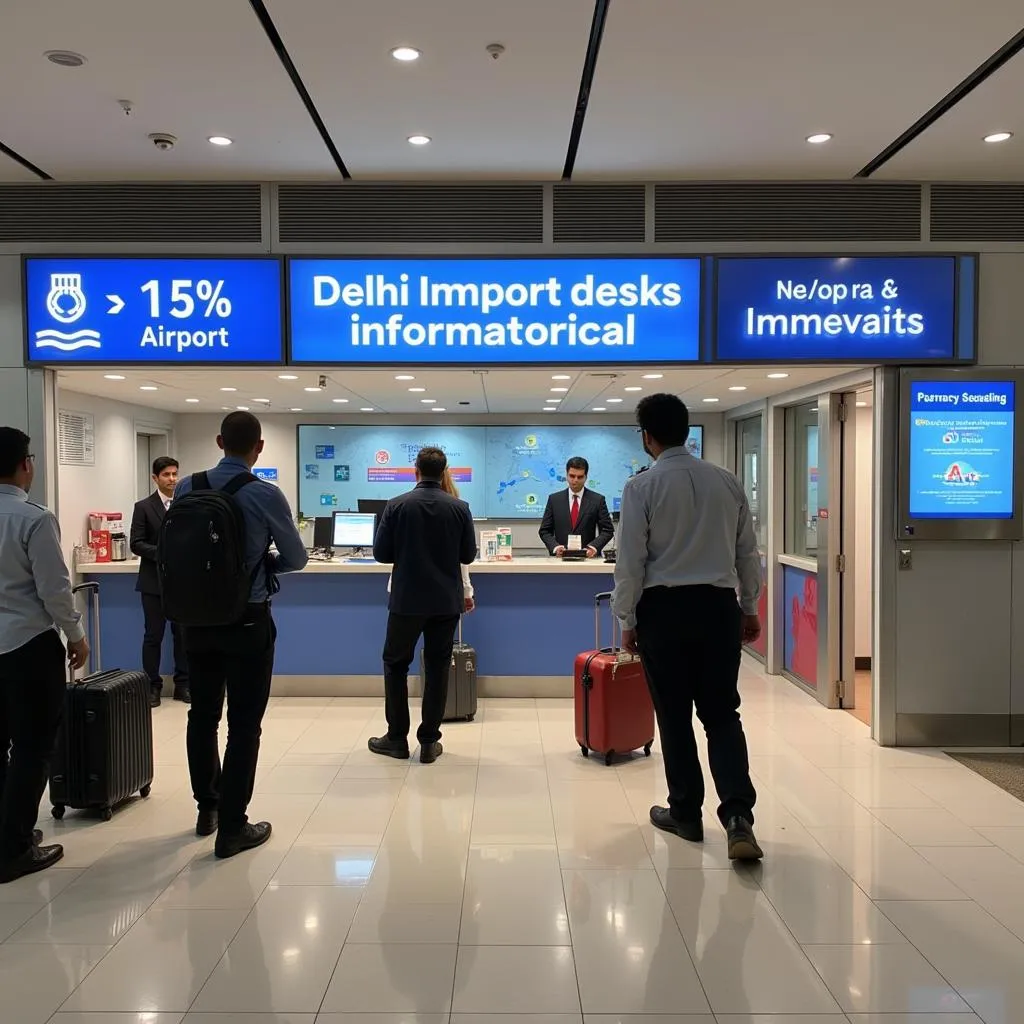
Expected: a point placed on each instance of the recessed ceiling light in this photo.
(242, 408)
(599, 408)
(428, 401)
(562, 376)
(710, 400)
(262, 401)
(64, 58)
(366, 408)
(113, 376)
(777, 376)
(738, 387)
(613, 401)
(229, 389)
(307, 389)
(405, 376)
(999, 137)
(287, 376)
(653, 376)
(405, 54)
(148, 387)
(549, 408)
(417, 391)
(226, 408)
(219, 140)
(295, 410)
(340, 401)
(559, 389)
(635, 387)
(192, 401)
(819, 138)
(419, 140)
(552, 399)
(438, 408)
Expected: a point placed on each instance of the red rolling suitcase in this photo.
(104, 751)
(614, 713)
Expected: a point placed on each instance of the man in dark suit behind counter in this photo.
(428, 536)
(146, 519)
(576, 511)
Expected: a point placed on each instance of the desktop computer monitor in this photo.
(323, 532)
(354, 529)
(374, 506)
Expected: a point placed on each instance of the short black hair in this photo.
(13, 450)
(578, 462)
(240, 432)
(664, 418)
(431, 463)
(162, 463)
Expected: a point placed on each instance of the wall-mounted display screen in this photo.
(844, 309)
(522, 312)
(503, 472)
(961, 449)
(166, 310)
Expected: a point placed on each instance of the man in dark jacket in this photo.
(576, 511)
(145, 532)
(428, 535)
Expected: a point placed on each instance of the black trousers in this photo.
(690, 645)
(153, 641)
(32, 684)
(404, 631)
(235, 662)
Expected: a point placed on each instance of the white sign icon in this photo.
(67, 287)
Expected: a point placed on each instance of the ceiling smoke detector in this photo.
(162, 140)
(495, 50)
(64, 58)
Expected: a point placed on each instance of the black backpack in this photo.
(201, 555)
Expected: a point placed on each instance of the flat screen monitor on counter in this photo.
(354, 530)
(503, 472)
(960, 453)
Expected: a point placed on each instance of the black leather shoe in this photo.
(249, 838)
(35, 858)
(692, 831)
(154, 698)
(183, 694)
(430, 752)
(206, 823)
(389, 748)
(742, 844)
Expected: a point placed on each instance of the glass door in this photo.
(749, 463)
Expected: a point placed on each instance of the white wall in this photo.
(862, 498)
(109, 485)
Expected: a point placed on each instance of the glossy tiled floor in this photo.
(514, 878)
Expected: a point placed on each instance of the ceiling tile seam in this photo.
(274, 37)
(25, 162)
(586, 83)
(980, 74)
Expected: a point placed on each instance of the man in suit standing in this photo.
(428, 536)
(146, 519)
(576, 511)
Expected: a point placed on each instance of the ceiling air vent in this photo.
(76, 438)
(978, 212)
(598, 213)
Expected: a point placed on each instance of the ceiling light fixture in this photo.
(419, 140)
(287, 376)
(405, 376)
(148, 387)
(613, 401)
(557, 390)
(549, 408)
(777, 376)
(653, 376)
(229, 389)
(438, 408)
(219, 140)
(635, 387)
(819, 138)
(242, 408)
(262, 401)
(562, 376)
(64, 58)
(738, 387)
(999, 137)
(710, 400)
(340, 401)
(311, 390)
(295, 410)
(366, 408)
(552, 399)
(417, 391)
(406, 54)
(192, 401)
(429, 401)
(113, 376)
(599, 408)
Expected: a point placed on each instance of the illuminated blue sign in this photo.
(843, 309)
(362, 312)
(961, 449)
(134, 311)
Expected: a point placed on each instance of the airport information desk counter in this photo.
(533, 616)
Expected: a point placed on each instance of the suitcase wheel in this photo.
(647, 750)
(57, 811)
(106, 814)
(609, 757)
(584, 751)
(469, 718)
(147, 789)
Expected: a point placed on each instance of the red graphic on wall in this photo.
(382, 458)
(800, 590)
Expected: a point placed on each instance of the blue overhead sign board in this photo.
(513, 312)
(844, 309)
(132, 311)
(961, 441)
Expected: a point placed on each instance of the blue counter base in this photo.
(333, 625)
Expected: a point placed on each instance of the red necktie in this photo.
(574, 514)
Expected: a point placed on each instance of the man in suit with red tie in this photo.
(576, 512)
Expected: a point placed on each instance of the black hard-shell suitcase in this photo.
(460, 705)
(104, 750)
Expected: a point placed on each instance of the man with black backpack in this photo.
(217, 575)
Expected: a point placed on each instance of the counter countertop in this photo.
(523, 565)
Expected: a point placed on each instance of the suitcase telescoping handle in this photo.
(93, 630)
(599, 599)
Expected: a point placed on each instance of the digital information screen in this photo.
(171, 311)
(961, 449)
(521, 312)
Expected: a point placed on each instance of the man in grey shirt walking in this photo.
(35, 602)
(685, 545)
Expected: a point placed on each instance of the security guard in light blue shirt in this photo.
(35, 602)
(685, 547)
